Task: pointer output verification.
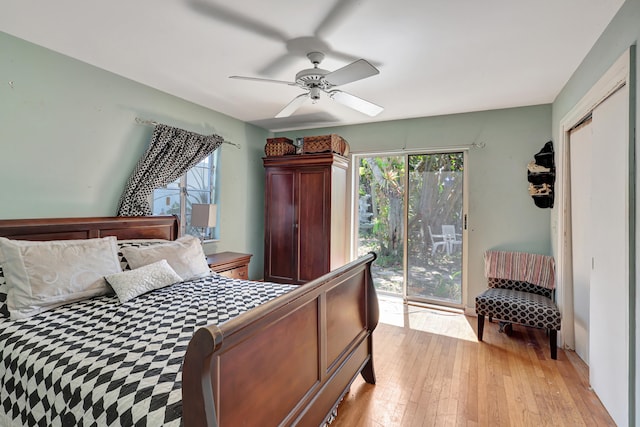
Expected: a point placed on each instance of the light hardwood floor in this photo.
(432, 371)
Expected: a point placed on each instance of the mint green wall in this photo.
(68, 142)
(500, 212)
(621, 33)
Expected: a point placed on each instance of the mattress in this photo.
(99, 362)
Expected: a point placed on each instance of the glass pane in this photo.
(200, 190)
(174, 185)
(166, 201)
(198, 178)
(381, 219)
(434, 238)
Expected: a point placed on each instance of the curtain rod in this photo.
(154, 123)
(426, 150)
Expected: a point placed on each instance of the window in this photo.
(198, 185)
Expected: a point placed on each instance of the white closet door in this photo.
(609, 296)
(580, 146)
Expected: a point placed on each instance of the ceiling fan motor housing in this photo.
(313, 77)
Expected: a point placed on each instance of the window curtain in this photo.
(171, 153)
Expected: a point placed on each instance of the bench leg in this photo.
(553, 343)
(480, 326)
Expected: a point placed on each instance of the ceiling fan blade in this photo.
(357, 70)
(278, 64)
(356, 103)
(229, 16)
(258, 79)
(293, 105)
(334, 18)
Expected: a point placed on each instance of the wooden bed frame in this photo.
(287, 362)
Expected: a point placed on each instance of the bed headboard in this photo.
(147, 227)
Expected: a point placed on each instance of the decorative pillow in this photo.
(135, 243)
(4, 288)
(44, 275)
(184, 255)
(131, 283)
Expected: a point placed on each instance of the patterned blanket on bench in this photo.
(525, 267)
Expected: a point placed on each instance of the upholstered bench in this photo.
(522, 303)
(521, 290)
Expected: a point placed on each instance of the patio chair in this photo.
(435, 244)
(451, 238)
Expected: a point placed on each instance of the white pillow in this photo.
(44, 275)
(132, 283)
(135, 243)
(184, 255)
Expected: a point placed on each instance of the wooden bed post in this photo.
(373, 315)
(200, 410)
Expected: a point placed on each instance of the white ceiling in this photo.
(435, 56)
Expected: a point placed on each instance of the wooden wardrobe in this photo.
(306, 232)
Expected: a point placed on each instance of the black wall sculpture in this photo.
(541, 175)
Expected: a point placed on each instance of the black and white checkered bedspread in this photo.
(101, 363)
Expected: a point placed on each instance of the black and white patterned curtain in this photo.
(171, 153)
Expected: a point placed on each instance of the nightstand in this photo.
(230, 264)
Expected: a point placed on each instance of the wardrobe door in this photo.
(280, 226)
(314, 195)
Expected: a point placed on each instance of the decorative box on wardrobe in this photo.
(305, 219)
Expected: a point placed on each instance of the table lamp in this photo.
(203, 216)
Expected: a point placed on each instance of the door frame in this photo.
(353, 211)
(581, 170)
(618, 75)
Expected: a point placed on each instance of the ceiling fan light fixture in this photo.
(314, 94)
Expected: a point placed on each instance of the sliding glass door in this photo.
(410, 211)
(434, 238)
(381, 218)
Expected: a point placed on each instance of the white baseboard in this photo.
(470, 311)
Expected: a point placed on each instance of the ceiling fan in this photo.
(316, 80)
